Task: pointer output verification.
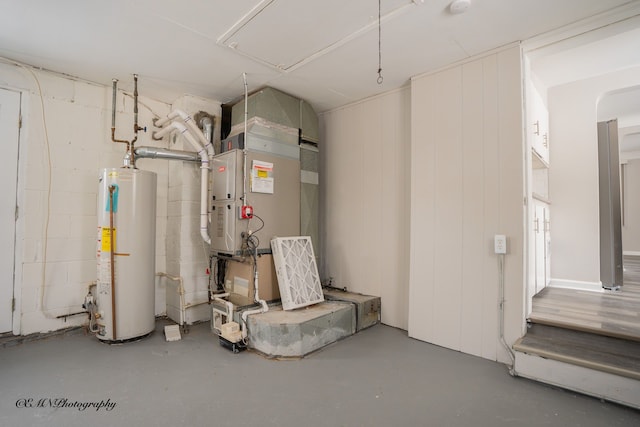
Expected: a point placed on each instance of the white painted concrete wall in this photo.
(466, 186)
(78, 122)
(573, 176)
(365, 200)
(187, 253)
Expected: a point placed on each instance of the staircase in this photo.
(586, 341)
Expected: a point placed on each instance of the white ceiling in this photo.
(325, 52)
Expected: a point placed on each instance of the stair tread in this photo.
(622, 331)
(608, 354)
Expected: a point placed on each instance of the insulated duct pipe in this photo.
(207, 129)
(166, 154)
(207, 125)
(204, 175)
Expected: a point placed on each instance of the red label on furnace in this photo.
(222, 168)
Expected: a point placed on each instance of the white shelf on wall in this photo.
(540, 197)
(537, 162)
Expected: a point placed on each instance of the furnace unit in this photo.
(271, 185)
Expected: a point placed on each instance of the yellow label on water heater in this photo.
(106, 239)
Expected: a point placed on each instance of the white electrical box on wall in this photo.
(500, 244)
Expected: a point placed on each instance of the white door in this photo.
(9, 136)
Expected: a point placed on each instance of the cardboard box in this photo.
(240, 276)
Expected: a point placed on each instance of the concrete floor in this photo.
(378, 377)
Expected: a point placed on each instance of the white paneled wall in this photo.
(78, 122)
(466, 186)
(365, 200)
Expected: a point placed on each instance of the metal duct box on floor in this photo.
(296, 333)
(367, 307)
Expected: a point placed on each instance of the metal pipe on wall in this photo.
(129, 158)
(166, 154)
(244, 150)
(202, 152)
(135, 121)
(135, 107)
(113, 117)
(114, 91)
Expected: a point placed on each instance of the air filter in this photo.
(297, 272)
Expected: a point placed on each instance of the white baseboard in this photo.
(576, 284)
(631, 253)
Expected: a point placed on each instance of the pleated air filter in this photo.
(297, 272)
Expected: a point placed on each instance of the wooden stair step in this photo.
(607, 354)
(592, 326)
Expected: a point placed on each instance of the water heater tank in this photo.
(126, 254)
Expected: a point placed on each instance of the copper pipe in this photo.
(130, 144)
(112, 258)
(135, 104)
(136, 128)
(113, 117)
(113, 138)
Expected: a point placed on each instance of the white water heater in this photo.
(126, 251)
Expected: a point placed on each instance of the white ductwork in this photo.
(204, 158)
(204, 187)
(193, 127)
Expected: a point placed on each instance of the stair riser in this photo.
(602, 385)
